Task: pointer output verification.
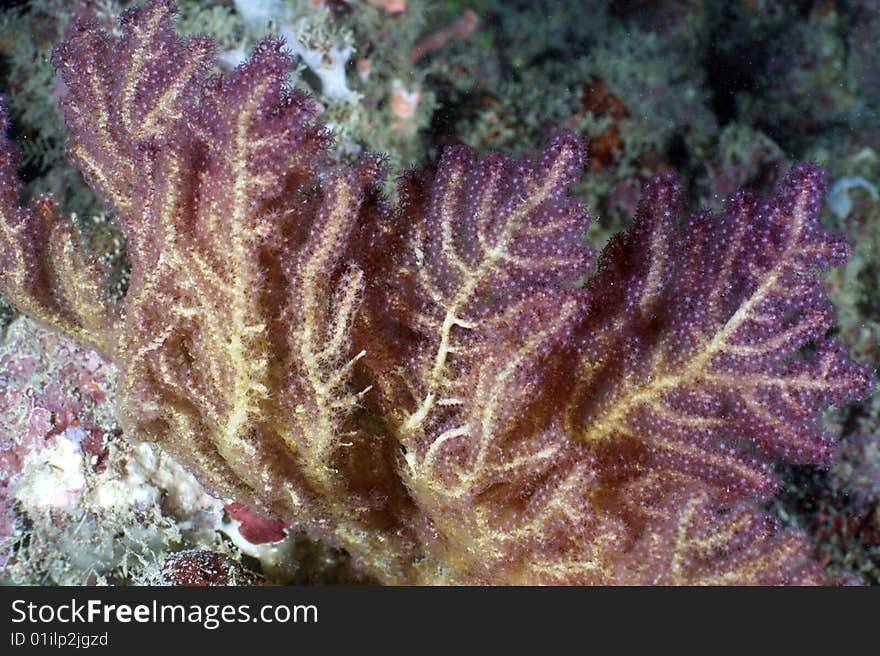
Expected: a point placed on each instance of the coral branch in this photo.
(723, 325)
(44, 271)
(123, 96)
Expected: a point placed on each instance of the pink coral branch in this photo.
(460, 28)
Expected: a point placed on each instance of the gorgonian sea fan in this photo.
(422, 383)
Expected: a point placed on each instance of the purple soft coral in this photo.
(424, 385)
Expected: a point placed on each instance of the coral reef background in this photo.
(727, 94)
